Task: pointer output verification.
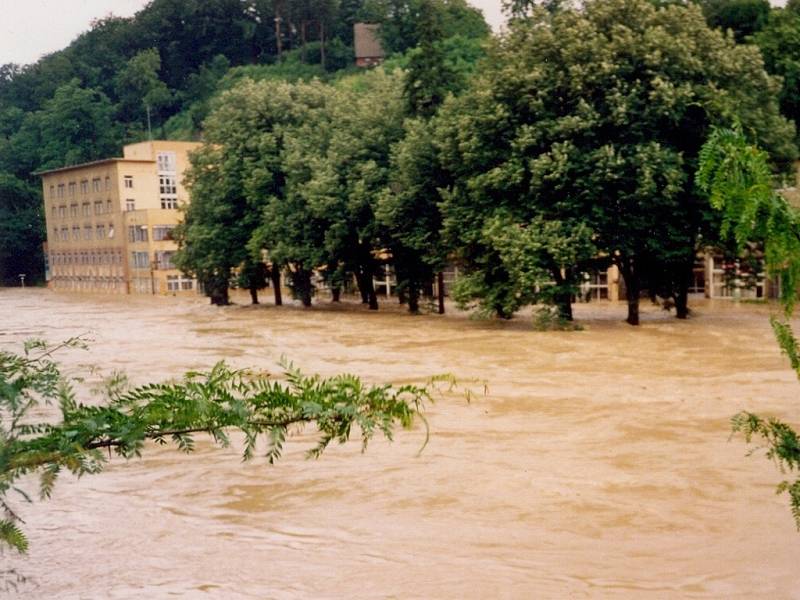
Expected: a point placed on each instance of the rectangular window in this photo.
(162, 232)
(64, 234)
(87, 209)
(166, 162)
(164, 260)
(96, 184)
(140, 260)
(178, 282)
(60, 190)
(87, 232)
(137, 233)
(73, 210)
(100, 232)
(72, 188)
(130, 204)
(111, 231)
(129, 182)
(54, 211)
(167, 185)
(52, 191)
(85, 186)
(168, 191)
(62, 211)
(108, 183)
(76, 232)
(109, 207)
(98, 207)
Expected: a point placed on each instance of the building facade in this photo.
(110, 222)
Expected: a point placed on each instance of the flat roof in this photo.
(93, 164)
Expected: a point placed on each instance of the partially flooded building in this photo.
(110, 221)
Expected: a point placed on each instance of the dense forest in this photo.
(87, 100)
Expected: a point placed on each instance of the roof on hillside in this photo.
(366, 40)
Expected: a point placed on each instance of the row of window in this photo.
(60, 190)
(85, 209)
(138, 233)
(161, 260)
(176, 283)
(87, 257)
(98, 232)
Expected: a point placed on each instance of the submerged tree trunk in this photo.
(362, 286)
(629, 272)
(275, 276)
(253, 294)
(682, 291)
(335, 293)
(563, 298)
(371, 296)
(413, 298)
(301, 286)
(440, 287)
(217, 290)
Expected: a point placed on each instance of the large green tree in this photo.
(348, 168)
(596, 115)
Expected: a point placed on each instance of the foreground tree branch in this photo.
(737, 178)
(214, 403)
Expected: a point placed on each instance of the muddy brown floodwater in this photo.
(599, 464)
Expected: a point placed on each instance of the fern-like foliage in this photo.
(212, 403)
(737, 178)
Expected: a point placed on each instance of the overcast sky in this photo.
(32, 28)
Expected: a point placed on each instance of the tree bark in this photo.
(371, 296)
(361, 281)
(682, 291)
(562, 299)
(278, 41)
(301, 285)
(275, 276)
(322, 45)
(303, 26)
(253, 295)
(629, 273)
(219, 295)
(440, 286)
(335, 293)
(413, 299)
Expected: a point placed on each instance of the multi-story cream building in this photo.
(109, 222)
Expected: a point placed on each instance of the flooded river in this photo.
(598, 465)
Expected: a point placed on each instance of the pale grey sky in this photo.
(31, 28)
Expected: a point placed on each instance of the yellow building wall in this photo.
(88, 237)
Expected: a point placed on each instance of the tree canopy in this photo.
(596, 116)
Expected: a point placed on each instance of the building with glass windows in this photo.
(110, 222)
